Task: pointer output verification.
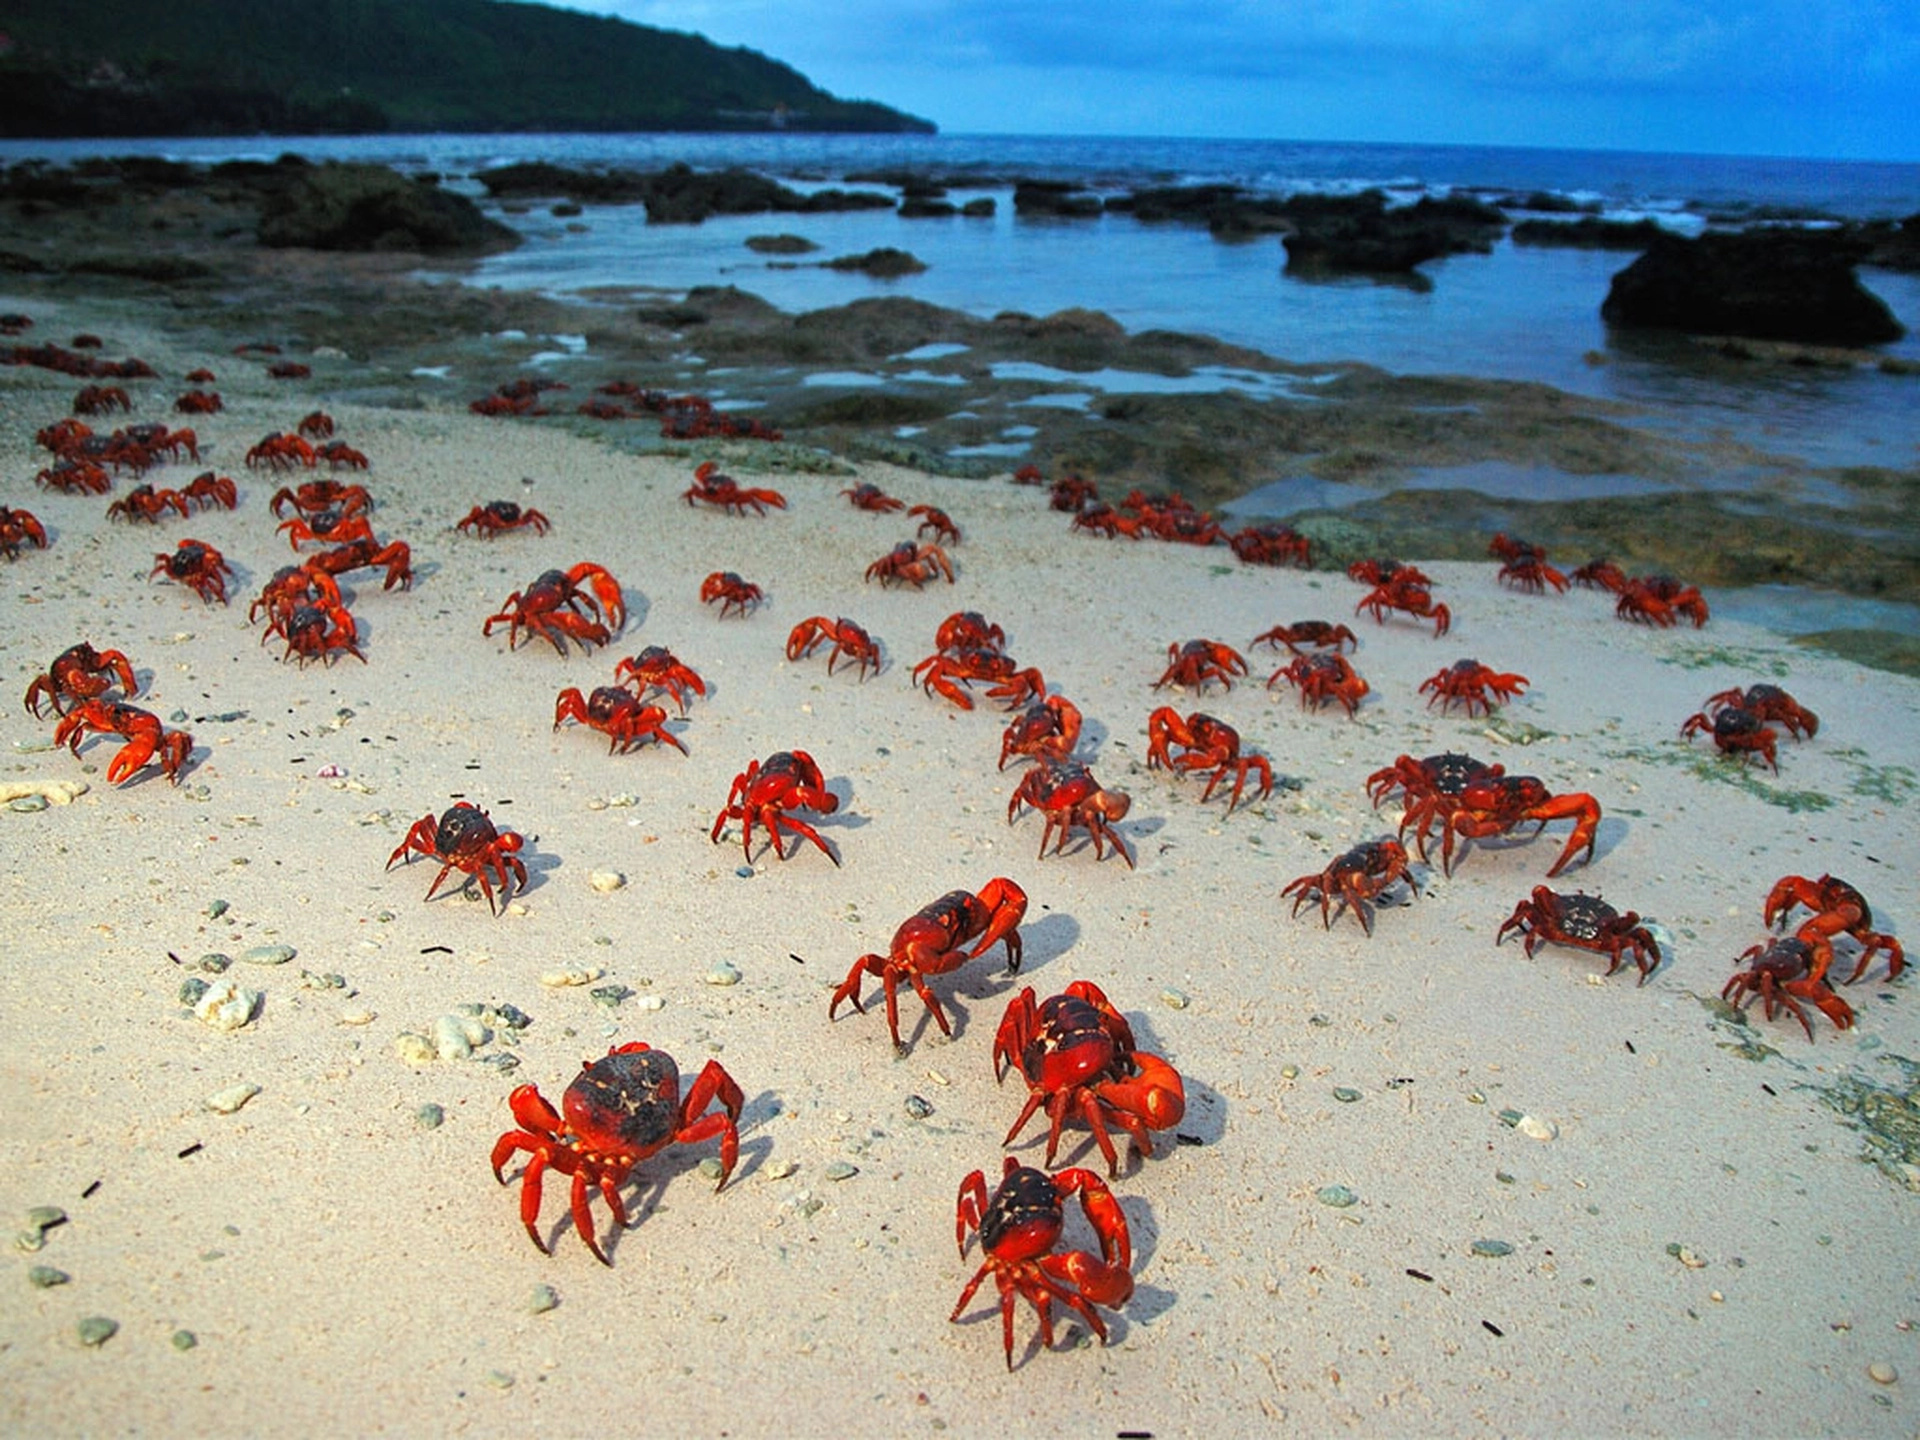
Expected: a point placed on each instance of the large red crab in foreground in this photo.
(1324, 677)
(1047, 729)
(763, 794)
(1771, 704)
(1785, 972)
(1354, 879)
(948, 669)
(1205, 743)
(1736, 731)
(142, 730)
(1190, 665)
(198, 566)
(79, 673)
(464, 839)
(1071, 799)
(1471, 684)
(555, 607)
(1838, 909)
(616, 713)
(616, 1112)
(656, 668)
(1019, 1227)
(849, 640)
(1429, 789)
(1586, 922)
(1496, 804)
(933, 941)
(1078, 1057)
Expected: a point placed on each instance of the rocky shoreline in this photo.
(193, 250)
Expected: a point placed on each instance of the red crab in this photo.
(315, 631)
(73, 476)
(556, 608)
(326, 527)
(616, 713)
(100, 399)
(1316, 634)
(143, 502)
(731, 591)
(1207, 744)
(1380, 571)
(948, 670)
(20, 527)
(340, 455)
(909, 563)
(1071, 493)
(656, 668)
(1402, 591)
(1100, 518)
(1047, 729)
(197, 565)
(1586, 922)
(1271, 545)
(1071, 799)
(1471, 683)
(712, 488)
(79, 673)
(1321, 678)
(968, 630)
(1019, 1228)
(1494, 805)
(1601, 574)
(142, 730)
(1078, 1057)
(1192, 664)
(368, 554)
(314, 497)
(291, 587)
(316, 425)
(282, 452)
(871, 497)
(1785, 972)
(1429, 789)
(499, 516)
(464, 839)
(1736, 731)
(1838, 909)
(617, 1111)
(848, 639)
(1770, 703)
(214, 492)
(936, 520)
(763, 794)
(933, 941)
(1526, 565)
(1660, 600)
(199, 402)
(1361, 875)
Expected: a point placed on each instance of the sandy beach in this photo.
(1424, 1184)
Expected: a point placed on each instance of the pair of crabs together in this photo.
(1794, 968)
(74, 684)
(1741, 721)
(624, 715)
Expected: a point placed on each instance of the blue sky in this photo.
(1835, 78)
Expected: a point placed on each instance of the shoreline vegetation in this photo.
(235, 247)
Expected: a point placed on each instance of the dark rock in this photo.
(916, 208)
(780, 244)
(538, 180)
(886, 263)
(1361, 234)
(981, 207)
(1054, 197)
(1589, 233)
(1892, 246)
(1774, 284)
(369, 207)
(1547, 202)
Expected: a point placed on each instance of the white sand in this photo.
(345, 1269)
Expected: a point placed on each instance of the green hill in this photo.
(218, 67)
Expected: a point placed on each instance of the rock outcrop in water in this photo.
(677, 195)
(369, 207)
(1788, 284)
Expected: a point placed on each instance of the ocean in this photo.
(1526, 313)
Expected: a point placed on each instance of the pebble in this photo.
(1881, 1373)
(227, 1006)
(1338, 1196)
(30, 1241)
(572, 975)
(1492, 1249)
(456, 1036)
(28, 804)
(1174, 999)
(611, 996)
(840, 1170)
(710, 1167)
(1535, 1128)
(412, 1048)
(781, 1169)
(1345, 1094)
(651, 1002)
(430, 1116)
(541, 1299)
(183, 1340)
(606, 881)
(47, 792)
(217, 908)
(215, 963)
(745, 872)
(499, 1379)
(45, 1277)
(724, 973)
(97, 1330)
(919, 1107)
(45, 1217)
(225, 1102)
(359, 1015)
(267, 955)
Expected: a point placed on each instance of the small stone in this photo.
(215, 963)
(183, 1340)
(45, 1277)
(412, 1048)
(190, 991)
(45, 1217)
(1289, 1072)
(745, 872)
(781, 1169)
(217, 908)
(227, 1006)
(227, 1101)
(919, 1107)
(1881, 1373)
(97, 1330)
(710, 1167)
(1533, 1127)
(499, 1379)
(541, 1299)
(605, 882)
(1338, 1196)
(840, 1170)
(651, 1002)
(30, 1240)
(1345, 1094)
(1491, 1249)
(1511, 1118)
(267, 955)
(572, 975)
(611, 996)
(724, 973)
(430, 1116)
(28, 804)
(1174, 999)
(358, 1015)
